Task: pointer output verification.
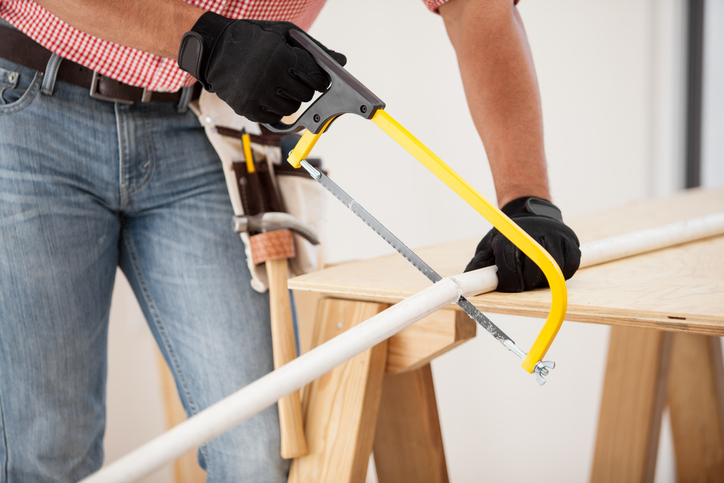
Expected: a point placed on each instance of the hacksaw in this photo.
(347, 95)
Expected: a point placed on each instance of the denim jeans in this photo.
(86, 186)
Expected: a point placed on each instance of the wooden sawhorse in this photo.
(382, 400)
(667, 313)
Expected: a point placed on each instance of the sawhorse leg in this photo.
(340, 408)
(408, 442)
(645, 369)
(696, 406)
(385, 394)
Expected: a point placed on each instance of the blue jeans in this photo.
(85, 186)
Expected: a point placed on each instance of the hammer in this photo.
(272, 243)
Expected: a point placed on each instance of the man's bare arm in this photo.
(502, 92)
(152, 26)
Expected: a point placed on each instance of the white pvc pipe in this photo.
(643, 241)
(627, 245)
(265, 391)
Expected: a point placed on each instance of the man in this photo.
(95, 174)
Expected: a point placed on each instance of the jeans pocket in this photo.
(18, 87)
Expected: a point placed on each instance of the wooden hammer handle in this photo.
(294, 443)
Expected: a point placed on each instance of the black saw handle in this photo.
(345, 94)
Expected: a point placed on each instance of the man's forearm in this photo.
(152, 26)
(502, 92)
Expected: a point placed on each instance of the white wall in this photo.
(610, 76)
(712, 172)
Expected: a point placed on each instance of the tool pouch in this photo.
(298, 194)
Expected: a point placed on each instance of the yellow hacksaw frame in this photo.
(498, 219)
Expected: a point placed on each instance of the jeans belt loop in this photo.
(183, 102)
(50, 75)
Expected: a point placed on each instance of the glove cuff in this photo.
(533, 206)
(197, 45)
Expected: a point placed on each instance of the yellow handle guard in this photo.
(304, 146)
(499, 220)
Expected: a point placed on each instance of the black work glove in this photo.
(252, 65)
(542, 220)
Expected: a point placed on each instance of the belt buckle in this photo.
(97, 95)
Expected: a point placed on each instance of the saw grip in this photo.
(346, 95)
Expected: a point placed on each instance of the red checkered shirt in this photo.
(140, 68)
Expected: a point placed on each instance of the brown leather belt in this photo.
(21, 49)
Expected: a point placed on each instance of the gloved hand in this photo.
(252, 65)
(542, 220)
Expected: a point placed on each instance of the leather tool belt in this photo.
(17, 47)
(299, 195)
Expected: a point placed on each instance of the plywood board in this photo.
(677, 288)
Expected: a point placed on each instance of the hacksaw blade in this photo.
(402, 249)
